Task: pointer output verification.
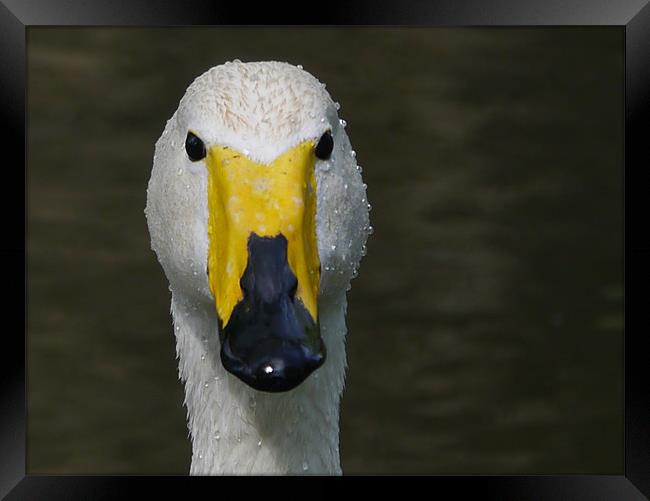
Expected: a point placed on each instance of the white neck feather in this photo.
(238, 430)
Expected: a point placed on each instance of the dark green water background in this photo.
(486, 325)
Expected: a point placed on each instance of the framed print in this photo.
(383, 241)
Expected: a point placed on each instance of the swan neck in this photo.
(237, 430)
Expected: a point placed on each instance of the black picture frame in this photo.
(631, 15)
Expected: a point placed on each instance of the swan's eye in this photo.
(194, 147)
(325, 146)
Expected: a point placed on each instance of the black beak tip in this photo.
(278, 373)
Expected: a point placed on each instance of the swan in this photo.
(258, 215)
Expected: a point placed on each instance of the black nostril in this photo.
(245, 284)
(293, 287)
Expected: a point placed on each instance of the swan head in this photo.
(257, 211)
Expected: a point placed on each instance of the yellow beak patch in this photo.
(246, 197)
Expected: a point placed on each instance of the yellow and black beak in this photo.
(263, 265)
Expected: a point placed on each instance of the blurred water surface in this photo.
(486, 327)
